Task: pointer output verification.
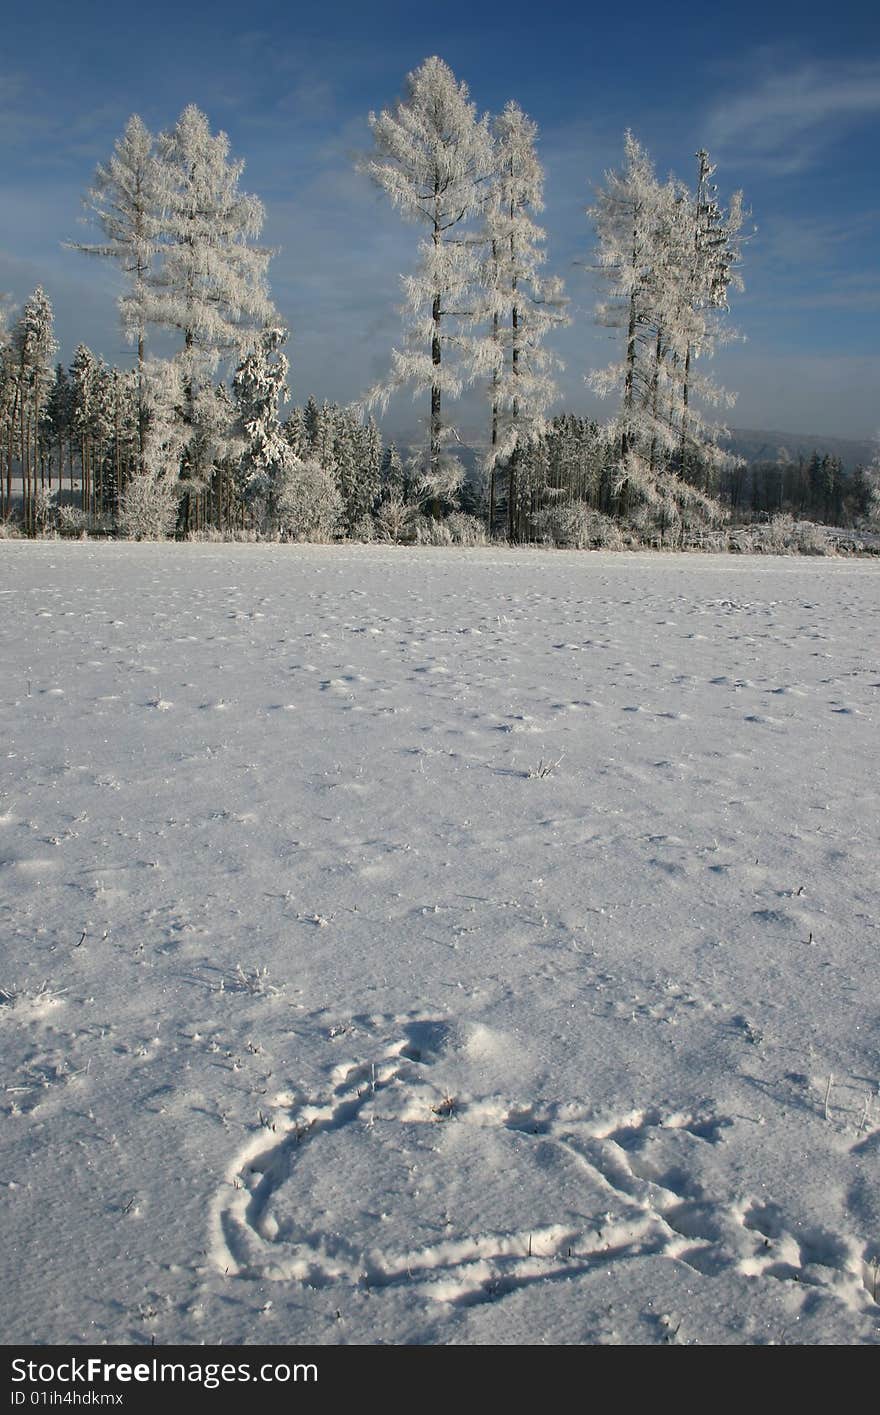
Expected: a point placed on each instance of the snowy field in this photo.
(445, 946)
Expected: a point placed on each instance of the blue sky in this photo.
(785, 96)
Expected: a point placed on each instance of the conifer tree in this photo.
(210, 285)
(126, 199)
(432, 156)
(519, 305)
(259, 387)
(85, 377)
(669, 260)
(33, 349)
(392, 476)
(711, 237)
(8, 410)
(59, 411)
(626, 220)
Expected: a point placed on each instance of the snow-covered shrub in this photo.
(466, 530)
(364, 529)
(309, 506)
(429, 531)
(606, 533)
(395, 520)
(44, 508)
(783, 535)
(72, 520)
(710, 541)
(578, 527)
(148, 508)
(779, 535)
(9, 530)
(810, 539)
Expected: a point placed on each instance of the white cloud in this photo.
(786, 119)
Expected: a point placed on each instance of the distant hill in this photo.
(758, 445)
(755, 444)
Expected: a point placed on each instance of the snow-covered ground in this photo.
(438, 946)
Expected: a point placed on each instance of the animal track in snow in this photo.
(392, 1179)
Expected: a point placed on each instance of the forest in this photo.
(207, 443)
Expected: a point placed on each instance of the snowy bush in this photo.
(431, 532)
(148, 508)
(72, 520)
(309, 506)
(395, 520)
(466, 530)
(578, 527)
(44, 506)
(364, 529)
(785, 535)
(810, 539)
(782, 536)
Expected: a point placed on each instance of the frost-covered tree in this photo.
(295, 432)
(58, 423)
(396, 519)
(148, 507)
(357, 457)
(86, 418)
(393, 480)
(431, 157)
(669, 260)
(185, 235)
(710, 249)
(324, 430)
(259, 388)
(309, 506)
(8, 409)
(211, 283)
(33, 349)
(520, 306)
(626, 218)
(126, 199)
(871, 480)
(149, 504)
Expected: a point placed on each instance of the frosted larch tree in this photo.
(126, 200)
(647, 250)
(711, 241)
(519, 305)
(626, 217)
(211, 283)
(432, 155)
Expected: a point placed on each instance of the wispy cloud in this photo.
(788, 118)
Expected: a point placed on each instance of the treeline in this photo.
(814, 488)
(203, 442)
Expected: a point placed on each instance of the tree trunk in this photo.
(629, 378)
(436, 315)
